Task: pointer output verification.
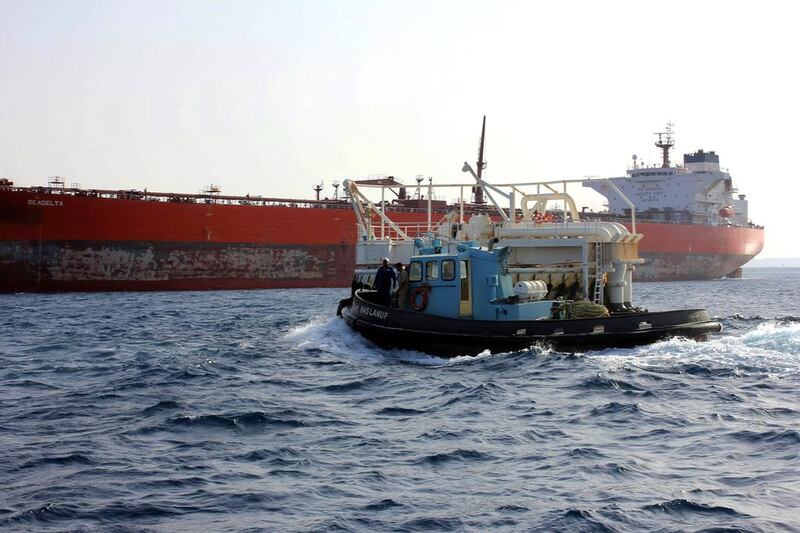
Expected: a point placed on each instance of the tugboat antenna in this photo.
(480, 165)
(665, 142)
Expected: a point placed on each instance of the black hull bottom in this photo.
(392, 328)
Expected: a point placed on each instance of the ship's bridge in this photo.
(698, 192)
(654, 172)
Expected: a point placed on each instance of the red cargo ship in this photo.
(70, 239)
(62, 239)
(59, 239)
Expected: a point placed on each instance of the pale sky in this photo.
(271, 97)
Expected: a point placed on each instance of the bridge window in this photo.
(448, 270)
(415, 271)
(432, 270)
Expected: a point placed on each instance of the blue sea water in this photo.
(259, 411)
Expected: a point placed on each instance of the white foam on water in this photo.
(780, 338)
(772, 345)
(309, 328)
(334, 336)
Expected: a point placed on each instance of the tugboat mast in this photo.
(480, 166)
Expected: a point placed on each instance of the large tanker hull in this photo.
(675, 252)
(52, 241)
(77, 242)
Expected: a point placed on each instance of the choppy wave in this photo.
(259, 410)
(770, 347)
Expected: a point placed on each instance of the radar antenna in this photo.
(665, 142)
(318, 189)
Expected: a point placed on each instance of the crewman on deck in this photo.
(384, 279)
(402, 285)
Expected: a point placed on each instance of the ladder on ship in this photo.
(599, 280)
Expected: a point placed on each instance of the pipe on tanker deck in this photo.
(622, 231)
(604, 234)
(607, 231)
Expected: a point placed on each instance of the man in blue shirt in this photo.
(384, 279)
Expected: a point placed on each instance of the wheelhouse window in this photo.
(432, 270)
(463, 273)
(415, 271)
(448, 270)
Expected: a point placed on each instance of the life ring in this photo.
(412, 298)
(538, 218)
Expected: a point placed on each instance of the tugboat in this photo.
(463, 303)
(507, 285)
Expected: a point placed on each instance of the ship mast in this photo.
(480, 166)
(665, 142)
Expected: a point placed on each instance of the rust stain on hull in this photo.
(685, 267)
(67, 266)
(54, 266)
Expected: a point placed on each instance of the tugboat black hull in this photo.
(394, 328)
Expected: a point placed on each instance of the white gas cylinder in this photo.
(531, 290)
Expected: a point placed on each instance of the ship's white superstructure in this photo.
(698, 192)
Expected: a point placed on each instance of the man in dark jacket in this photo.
(384, 279)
